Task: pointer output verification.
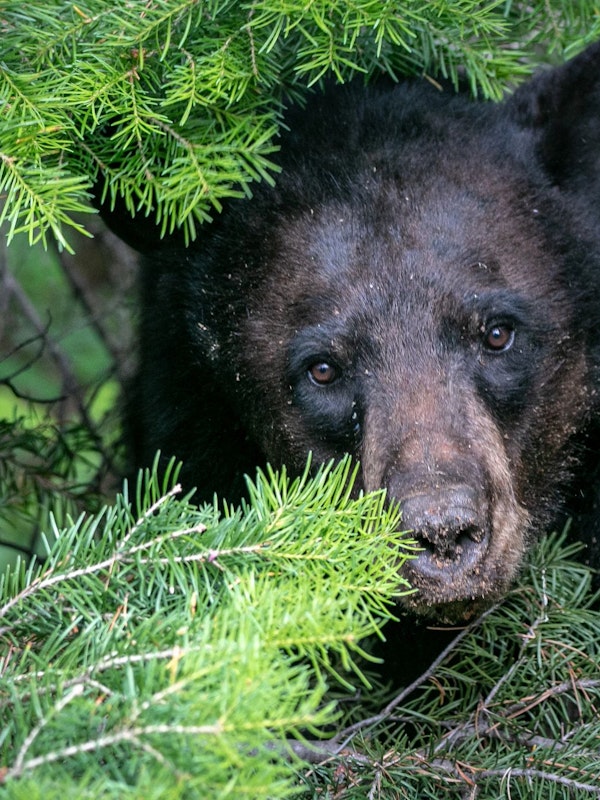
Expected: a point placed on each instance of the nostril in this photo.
(423, 542)
(468, 541)
(473, 534)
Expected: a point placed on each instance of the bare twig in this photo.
(345, 736)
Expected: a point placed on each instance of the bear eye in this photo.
(499, 337)
(322, 373)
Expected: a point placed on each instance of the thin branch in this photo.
(46, 581)
(69, 380)
(525, 772)
(149, 512)
(81, 296)
(345, 736)
(132, 735)
(18, 767)
(70, 383)
(528, 703)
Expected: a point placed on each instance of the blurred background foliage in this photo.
(66, 353)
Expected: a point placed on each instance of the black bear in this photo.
(421, 289)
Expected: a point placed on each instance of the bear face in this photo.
(440, 367)
(420, 289)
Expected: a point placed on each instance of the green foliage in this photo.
(166, 650)
(174, 651)
(176, 104)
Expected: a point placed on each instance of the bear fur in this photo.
(421, 289)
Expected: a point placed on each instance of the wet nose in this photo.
(450, 525)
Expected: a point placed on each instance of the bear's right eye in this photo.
(322, 373)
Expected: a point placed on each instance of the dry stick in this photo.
(10, 379)
(524, 772)
(4, 295)
(69, 380)
(491, 731)
(348, 734)
(528, 703)
(71, 385)
(450, 768)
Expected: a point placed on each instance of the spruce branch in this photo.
(113, 652)
(175, 106)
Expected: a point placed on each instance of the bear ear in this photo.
(560, 108)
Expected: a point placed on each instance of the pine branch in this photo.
(176, 105)
(150, 630)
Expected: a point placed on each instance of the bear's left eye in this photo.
(322, 373)
(499, 338)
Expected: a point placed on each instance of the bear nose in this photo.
(449, 524)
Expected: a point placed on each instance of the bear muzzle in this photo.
(452, 526)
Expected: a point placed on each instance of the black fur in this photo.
(422, 289)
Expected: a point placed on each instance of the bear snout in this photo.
(457, 568)
(451, 525)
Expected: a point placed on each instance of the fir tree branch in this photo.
(109, 86)
(232, 680)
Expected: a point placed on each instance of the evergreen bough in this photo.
(176, 104)
(171, 651)
(174, 651)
